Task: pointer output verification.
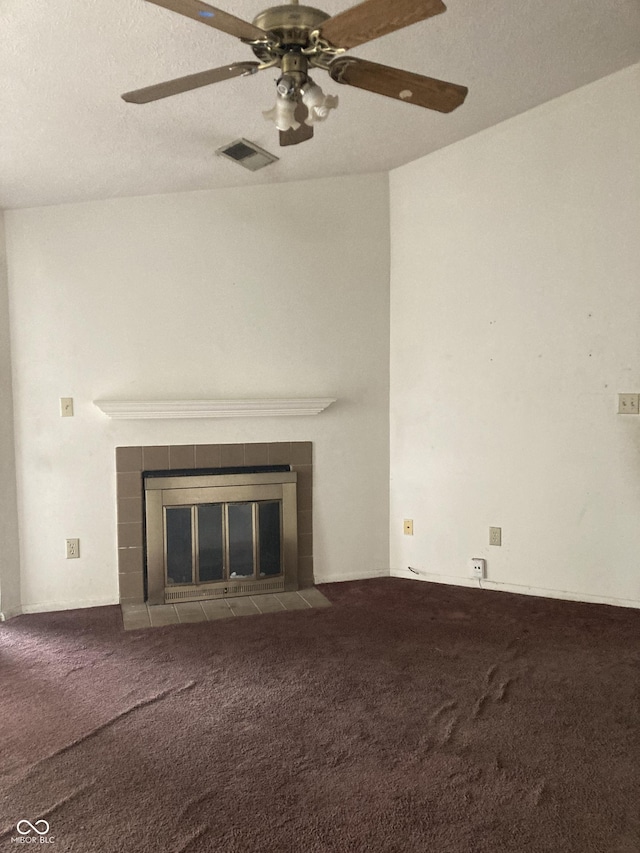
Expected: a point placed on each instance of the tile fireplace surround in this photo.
(132, 461)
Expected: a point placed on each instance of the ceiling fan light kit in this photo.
(294, 39)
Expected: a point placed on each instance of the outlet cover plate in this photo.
(478, 567)
(495, 536)
(73, 549)
(628, 404)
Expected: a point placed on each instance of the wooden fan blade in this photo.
(191, 81)
(295, 137)
(374, 18)
(304, 132)
(213, 18)
(394, 83)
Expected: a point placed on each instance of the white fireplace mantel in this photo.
(145, 409)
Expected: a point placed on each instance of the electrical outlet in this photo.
(66, 407)
(73, 549)
(628, 404)
(408, 527)
(495, 536)
(478, 567)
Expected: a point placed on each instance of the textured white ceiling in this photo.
(66, 135)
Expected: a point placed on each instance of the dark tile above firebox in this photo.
(128, 459)
(131, 462)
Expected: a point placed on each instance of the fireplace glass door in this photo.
(222, 541)
(207, 540)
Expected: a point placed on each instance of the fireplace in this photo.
(220, 533)
(134, 464)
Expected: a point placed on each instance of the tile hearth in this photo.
(139, 616)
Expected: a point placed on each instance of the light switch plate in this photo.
(66, 407)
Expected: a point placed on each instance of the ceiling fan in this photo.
(296, 38)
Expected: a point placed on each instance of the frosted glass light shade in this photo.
(283, 114)
(317, 103)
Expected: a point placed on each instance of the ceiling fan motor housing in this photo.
(292, 26)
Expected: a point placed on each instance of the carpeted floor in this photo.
(406, 717)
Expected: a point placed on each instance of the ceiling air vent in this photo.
(247, 154)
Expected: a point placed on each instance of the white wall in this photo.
(515, 321)
(9, 549)
(514, 324)
(255, 292)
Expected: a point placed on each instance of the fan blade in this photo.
(304, 132)
(374, 18)
(294, 137)
(191, 81)
(213, 18)
(394, 83)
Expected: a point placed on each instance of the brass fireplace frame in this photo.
(194, 489)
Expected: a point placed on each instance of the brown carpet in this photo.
(407, 717)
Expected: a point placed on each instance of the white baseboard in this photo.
(9, 613)
(366, 574)
(334, 577)
(49, 606)
(518, 589)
